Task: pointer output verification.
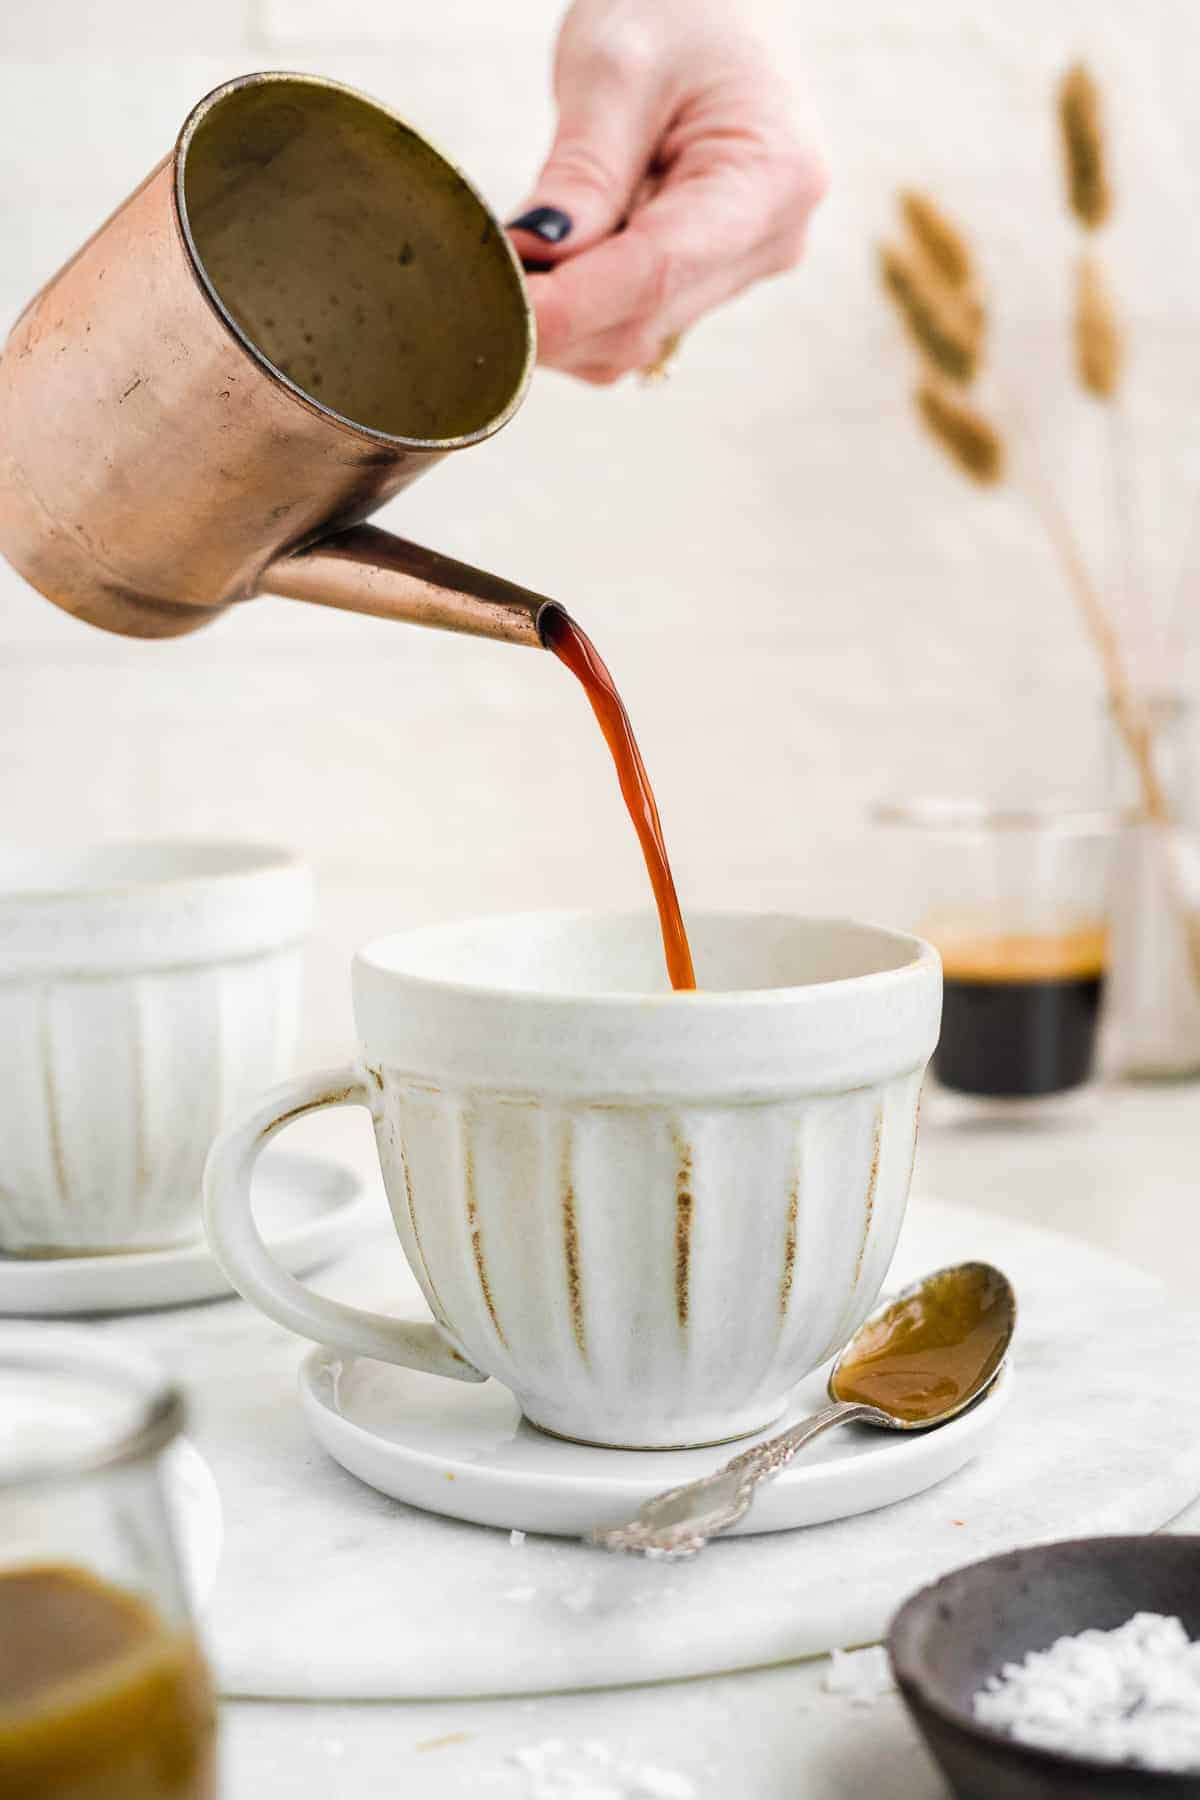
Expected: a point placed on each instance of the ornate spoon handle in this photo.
(681, 1521)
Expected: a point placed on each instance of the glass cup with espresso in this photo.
(1017, 903)
(104, 1693)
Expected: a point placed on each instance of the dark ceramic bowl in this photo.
(949, 1638)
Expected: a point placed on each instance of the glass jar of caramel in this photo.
(104, 1691)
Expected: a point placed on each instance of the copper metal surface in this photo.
(366, 570)
(297, 313)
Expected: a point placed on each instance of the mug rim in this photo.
(259, 903)
(65, 1349)
(924, 957)
(179, 156)
(937, 813)
(248, 860)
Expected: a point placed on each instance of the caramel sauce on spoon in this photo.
(934, 1347)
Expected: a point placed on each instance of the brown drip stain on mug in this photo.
(50, 1084)
(572, 646)
(571, 1246)
(928, 1351)
(912, 1161)
(684, 1205)
(789, 1246)
(476, 1234)
(435, 1298)
(872, 1184)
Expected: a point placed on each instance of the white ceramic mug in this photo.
(648, 1214)
(147, 992)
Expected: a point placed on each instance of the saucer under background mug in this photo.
(648, 1214)
(147, 992)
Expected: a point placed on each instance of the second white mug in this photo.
(147, 992)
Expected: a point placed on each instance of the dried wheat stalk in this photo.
(932, 285)
(659, 370)
(963, 432)
(1099, 359)
(1088, 192)
(1128, 716)
(945, 324)
(938, 236)
(1099, 363)
(1099, 344)
(1131, 719)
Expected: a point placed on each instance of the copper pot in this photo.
(297, 313)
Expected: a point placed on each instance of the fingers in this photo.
(622, 279)
(682, 170)
(611, 111)
(719, 222)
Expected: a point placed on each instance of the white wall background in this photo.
(804, 605)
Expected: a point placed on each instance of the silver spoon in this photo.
(922, 1357)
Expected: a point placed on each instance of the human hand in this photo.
(681, 171)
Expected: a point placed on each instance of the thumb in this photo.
(608, 126)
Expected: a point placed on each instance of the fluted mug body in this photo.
(648, 1214)
(147, 992)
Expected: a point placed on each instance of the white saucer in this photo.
(464, 1450)
(307, 1208)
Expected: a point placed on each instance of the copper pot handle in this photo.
(367, 570)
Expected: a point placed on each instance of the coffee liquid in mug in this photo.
(99, 1698)
(573, 647)
(1019, 1011)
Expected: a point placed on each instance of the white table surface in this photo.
(1124, 1178)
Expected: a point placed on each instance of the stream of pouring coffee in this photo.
(573, 647)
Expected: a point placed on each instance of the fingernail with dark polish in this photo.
(549, 223)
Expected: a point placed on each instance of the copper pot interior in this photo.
(354, 260)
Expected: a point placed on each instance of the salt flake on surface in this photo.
(594, 1773)
(516, 1539)
(662, 1784)
(862, 1675)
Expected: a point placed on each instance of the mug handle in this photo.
(238, 1246)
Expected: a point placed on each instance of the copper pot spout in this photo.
(366, 570)
(298, 312)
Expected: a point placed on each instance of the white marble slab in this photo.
(329, 1590)
(773, 1733)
